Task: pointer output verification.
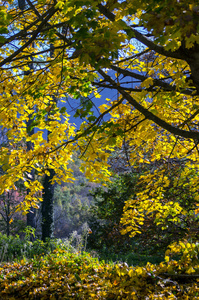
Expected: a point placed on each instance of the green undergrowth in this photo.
(13, 248)
(66, 275)
(131, 258)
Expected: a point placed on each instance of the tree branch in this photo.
(89, 129)
(178, 54)
(36, 53)
(149, 115)
(142, 38)
(51, 12)
(156, 82)
(24, 32)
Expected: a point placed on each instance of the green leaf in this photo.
(63, 110)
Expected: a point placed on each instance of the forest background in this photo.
(137, 148)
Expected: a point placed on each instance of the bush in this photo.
(106, 213)
(13, 248)
(131, 258)
(66, 275)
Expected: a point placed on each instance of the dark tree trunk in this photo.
(47, 207)
(8, 228)
(21, 4)
(31, 215)
(48, 194)
(8, 216)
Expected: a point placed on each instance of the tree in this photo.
(11, 220)
(107, 210)
(153, 49)
(48, 193)
(72, 203)
(8, 206)
(47, 207)
(165, 211)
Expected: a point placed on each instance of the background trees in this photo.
(11, 221)
(106, 212)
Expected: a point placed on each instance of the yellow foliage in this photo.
(63, 274)
(56, 51)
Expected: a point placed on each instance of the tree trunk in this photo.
(48, 195)
(7, 216)
(31, 215)
(47, 207)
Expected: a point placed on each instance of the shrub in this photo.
(66, 275)
(13, 248)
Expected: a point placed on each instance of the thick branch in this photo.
(156, 82)
(142, 38)
(178, 54)
(183, 277)
(149, 115)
